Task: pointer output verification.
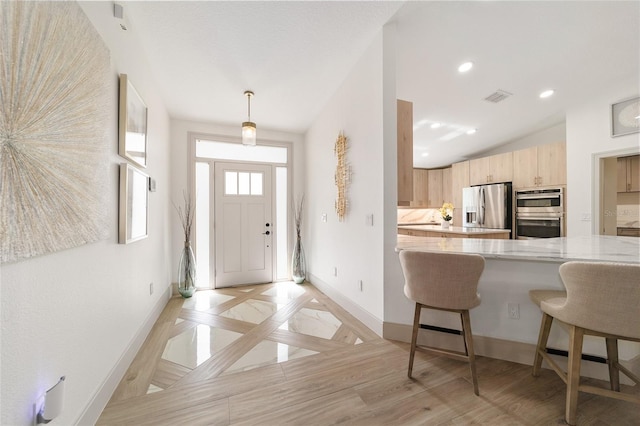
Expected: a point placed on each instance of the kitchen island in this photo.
(597, 248)
(453, 232)
(506, 324)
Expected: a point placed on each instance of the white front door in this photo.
(242, 226)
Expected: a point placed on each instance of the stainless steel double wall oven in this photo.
(540, 213)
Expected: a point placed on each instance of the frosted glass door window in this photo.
(256, 183)
(231, 183)
(202, 225)
(239, 152)
(243, 183)
(282, 236)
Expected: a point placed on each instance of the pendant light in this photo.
(248, 127)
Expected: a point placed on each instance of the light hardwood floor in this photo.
(352, 377)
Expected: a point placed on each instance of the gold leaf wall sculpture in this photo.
(54, 104)
(342, 176)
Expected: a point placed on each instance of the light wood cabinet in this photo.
(628, 232)
(405, 151)
(447, 193)
(431, 187)
(629, 174)
(420, 188)
(493, 169)
(541, 165)
(459, 180)
(479, 170)
(435, 188)
(442, 234)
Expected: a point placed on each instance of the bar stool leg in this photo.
(576, 335)
(414, 337)
(612, 360)
(468, 341)
(543, 337)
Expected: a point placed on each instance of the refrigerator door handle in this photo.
(482, 206)
(478, 209)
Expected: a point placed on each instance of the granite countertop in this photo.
(454, 229)
(587, 248)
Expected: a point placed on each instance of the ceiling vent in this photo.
(498, 96)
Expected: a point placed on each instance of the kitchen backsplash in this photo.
(418, 216)
(628, 216)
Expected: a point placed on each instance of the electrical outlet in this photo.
(513, 310)
(150, 289)
(360, 285)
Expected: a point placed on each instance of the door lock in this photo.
(266, 233)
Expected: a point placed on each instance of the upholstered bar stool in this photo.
(602, 299)
(445, 282)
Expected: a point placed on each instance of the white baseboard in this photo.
(100, 399)
(491, 347)
(364, 316)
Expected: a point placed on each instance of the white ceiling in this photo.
(294, 56)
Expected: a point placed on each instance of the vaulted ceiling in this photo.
(294, 55)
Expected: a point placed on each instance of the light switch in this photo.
(369, 220)
(323, 217)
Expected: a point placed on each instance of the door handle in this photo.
(266, 233)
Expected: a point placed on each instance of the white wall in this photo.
(588, 137)
(180, 130)
(553, 134)
(76, 312)
(396, 305)
(351, 246)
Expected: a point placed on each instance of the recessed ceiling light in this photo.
(547, 93)
(465, 67)
(425, 154)
(471, 131)
(436, 125)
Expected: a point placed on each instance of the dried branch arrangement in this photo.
(186, 215)
(297, 215)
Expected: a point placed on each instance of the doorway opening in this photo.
(243, 197)
(618, 207)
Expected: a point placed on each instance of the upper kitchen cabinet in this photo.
(435, 188)
(405, 152)
(629, 174)
(493, 169)
(459, 180)
(420, 188)
(541, 165)
(447, 188)
(431, 187)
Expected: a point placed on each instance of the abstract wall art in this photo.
(54, 97)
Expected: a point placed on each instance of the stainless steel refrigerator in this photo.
(487, 206)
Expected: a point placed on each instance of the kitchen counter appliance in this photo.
(487, 206)
(540, 213)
